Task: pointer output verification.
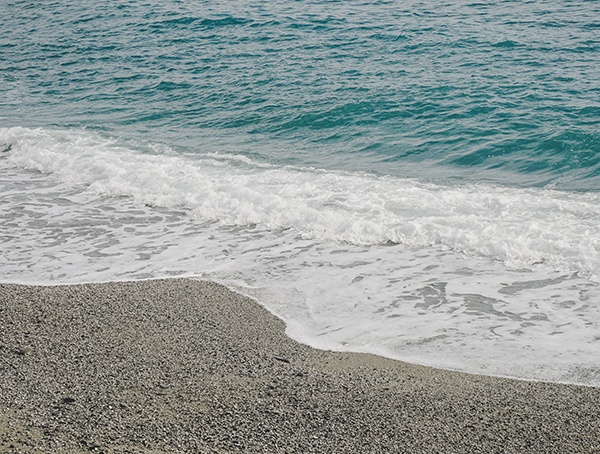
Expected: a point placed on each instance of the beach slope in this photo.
(188, 366)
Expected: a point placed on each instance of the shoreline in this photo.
(181, 365)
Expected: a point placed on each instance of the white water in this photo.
(485, 279)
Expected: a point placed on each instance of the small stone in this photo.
(25, 351)
(282, 359)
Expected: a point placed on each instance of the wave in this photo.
(474, 277)
(520, 227)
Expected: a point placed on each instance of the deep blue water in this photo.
(415, 179)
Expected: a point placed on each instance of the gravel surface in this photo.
(188, 366)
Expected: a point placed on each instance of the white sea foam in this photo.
(472, 277)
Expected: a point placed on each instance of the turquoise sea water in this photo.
(415, 179)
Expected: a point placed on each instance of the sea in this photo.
(414, 179)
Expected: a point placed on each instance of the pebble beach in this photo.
(179, 365)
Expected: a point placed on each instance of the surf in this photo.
(475, 277)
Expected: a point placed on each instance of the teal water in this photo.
(502, 91)
(415, 179)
